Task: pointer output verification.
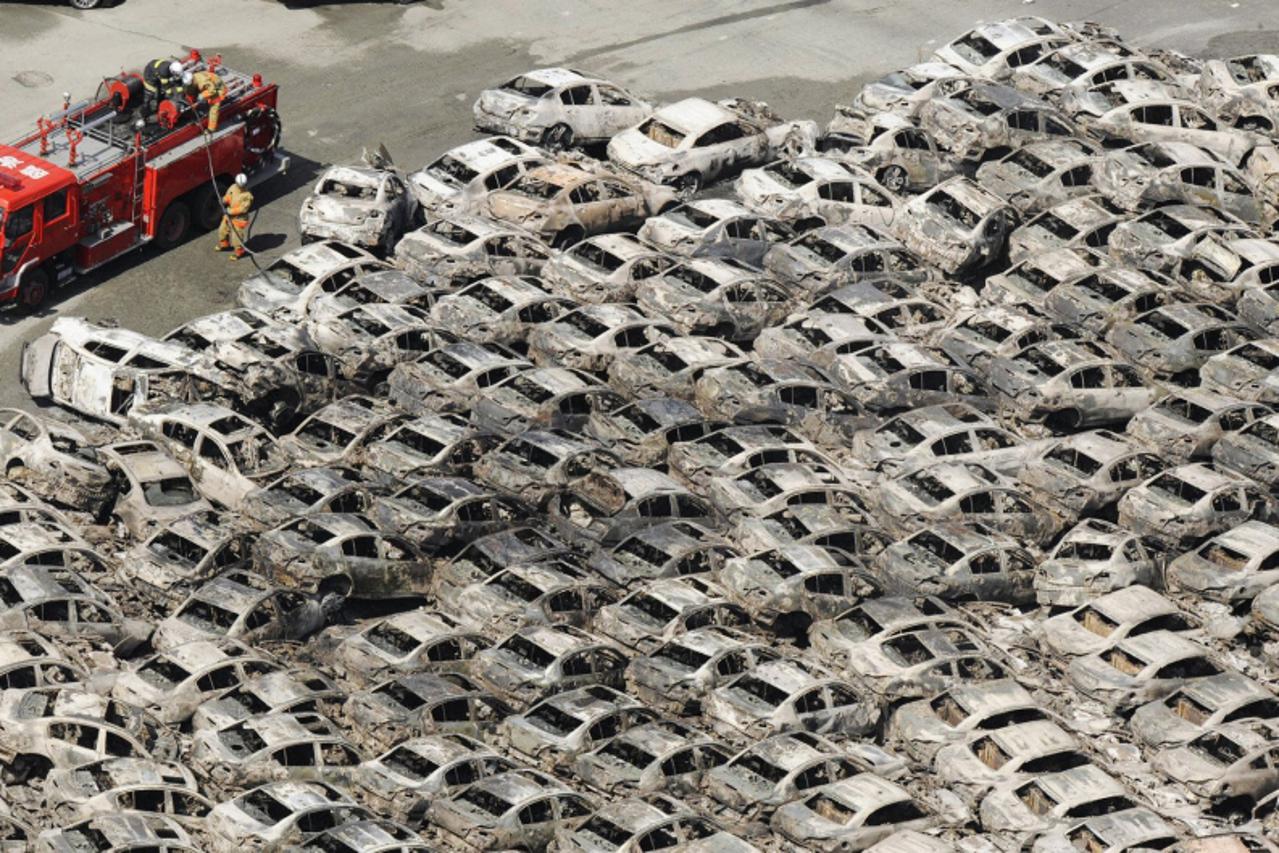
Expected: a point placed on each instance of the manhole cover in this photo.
(33, 79)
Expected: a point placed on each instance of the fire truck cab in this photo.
(122, 170)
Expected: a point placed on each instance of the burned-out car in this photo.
(827, 257)
(183, 553)
(957, 225)
(788, 695)
(673, 549)
(244, 607)
(340, 554)
(1200, 706)
(728, 451)
(591, 336)
(784, 767)
(1247, 369)
(499, 309)
(1252, 450)
(546, 593)
(58, 602)
(368, 341)
(782, 392)
(1159, 239)
(520, 808)
(289, 283)
(953, 432)
(1151, 111)
(721, 298)
(1189, 503)
(676, 676)
(1153, 173)
(1021, 751)
(535, 464)
(305, 491)
(984, 120)
(150, 487)
(558, 107)
(111, 785)
(226, 454)
(963, 492)
(541, 397)
(1140, 668)
(1081, 221)
(818, 188)
(641, 432)
(1084, 63)
(359, 205)
(555, 730)
(391, 711)
(539, 660)
(901, 375)
(924, 726)
(660, 609)
(715, 228)
(1234, 565)
(606, 506)
(105, 373)
(279, 814)
(603, 268)
(1100, 299)
(172, 684)
(54, 460)
(278, 371)
(661, 755)
(297, 747)
(958, 562)
(1188, 424)
(694, 141)
(460, 248)
(562, 203)
(995, 49)
(1093, 558)
(1067, 385)
(1040, 175)
(402, 781)
(334, 434)
(1088, 471)
(459, 177)
(1031, 807)
(128, 830)
(1240, 90)
(670, 366)
(852, 814)
(412, 641)
(448, 378)
(1105, 621)
(648, 823)
(1176, 340)
(901, 156)
(437, 514)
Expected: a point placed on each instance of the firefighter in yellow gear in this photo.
(234, 229)
(209, 88)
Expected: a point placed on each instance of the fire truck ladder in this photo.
(139, 184)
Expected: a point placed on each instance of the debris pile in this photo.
(921, 497)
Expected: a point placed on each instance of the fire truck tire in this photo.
(34, 289)
(173, 225)
(206, 208)
(85, 4)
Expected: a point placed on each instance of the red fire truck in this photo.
(125, 169)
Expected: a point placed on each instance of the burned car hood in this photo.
(341, 211)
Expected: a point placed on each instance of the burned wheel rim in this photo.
(558, 137)
(688, 185)
(85, 4)
(893, 178)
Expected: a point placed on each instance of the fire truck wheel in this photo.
(34, 289)
(206, 208)
(173, 226)
(85, 4)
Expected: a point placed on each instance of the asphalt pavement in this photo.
(361, 73)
